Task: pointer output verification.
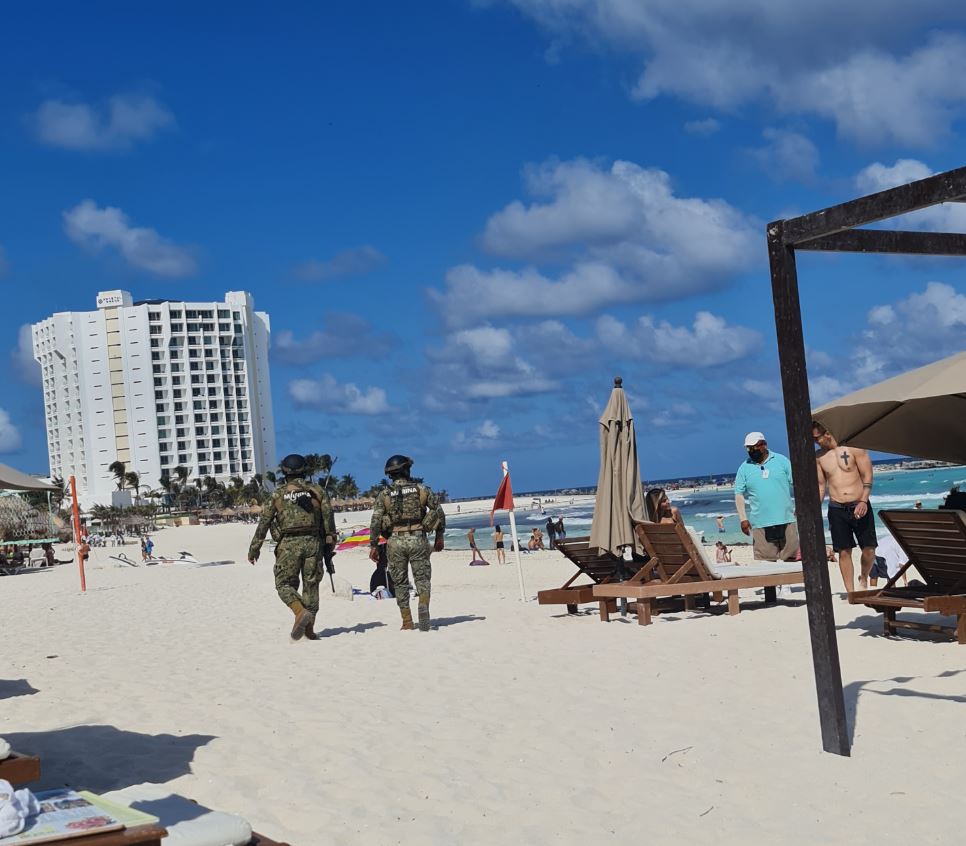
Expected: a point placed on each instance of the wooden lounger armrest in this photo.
(948, 605)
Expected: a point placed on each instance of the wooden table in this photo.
(145, 835)
(19, 769)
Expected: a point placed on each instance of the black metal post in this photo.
(808, 508)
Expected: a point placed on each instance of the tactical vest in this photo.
(405, 504)
(298, 510)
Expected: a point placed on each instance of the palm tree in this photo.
(182, 473)
(346, 487)
(133, 481)
(118, 468)
(270, 477)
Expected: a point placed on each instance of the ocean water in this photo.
(891, 489)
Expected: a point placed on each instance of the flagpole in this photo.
(516, 542)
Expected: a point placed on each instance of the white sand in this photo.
(511, 723)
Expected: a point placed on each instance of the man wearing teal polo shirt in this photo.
(764, 482)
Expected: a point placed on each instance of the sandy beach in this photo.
(510, 722)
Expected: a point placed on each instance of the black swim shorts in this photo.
(848, 531)
(879, 568)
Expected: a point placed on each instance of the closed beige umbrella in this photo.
(620, 500)
(919, 413)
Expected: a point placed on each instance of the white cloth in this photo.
(4, 749)
(894, 555)
(15, 807)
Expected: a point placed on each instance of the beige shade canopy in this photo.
(920, 413)
(620, 500)
(14, 480)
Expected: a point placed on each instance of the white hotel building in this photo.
(156, 384)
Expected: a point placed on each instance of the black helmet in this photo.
(293, 465)
(398, 465)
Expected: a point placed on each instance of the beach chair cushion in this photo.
(734, 571)
(188, 823)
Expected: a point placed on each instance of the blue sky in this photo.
(465, 218)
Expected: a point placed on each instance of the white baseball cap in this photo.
(752, 438)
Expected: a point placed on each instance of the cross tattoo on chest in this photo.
(845, 457)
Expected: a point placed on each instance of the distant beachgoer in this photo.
(561, 530)
(457, 509)
(893, 558)
(722, 555)
(720, 521)
(477, 555)
(764, 479)
(658, 507)
(847, 473)
(536, 540)
(918, 505)
(148, 545)
(498, 539)
(551, 532)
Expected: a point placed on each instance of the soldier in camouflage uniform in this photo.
(405, 513)
(300, 518)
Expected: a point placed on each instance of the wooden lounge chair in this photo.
(19, 769)
(935, 542)
(600, 569)
(679, 567)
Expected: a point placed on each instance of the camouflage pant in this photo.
(295, 557)
(405, 551)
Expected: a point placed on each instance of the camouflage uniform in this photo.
(404, 513)
(295, 515)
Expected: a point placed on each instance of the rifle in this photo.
(327, 555)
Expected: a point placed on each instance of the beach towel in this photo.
(15, 807)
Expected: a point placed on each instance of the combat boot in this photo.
(302, 619)
(310, 629)
(407, 619)
(423, 612)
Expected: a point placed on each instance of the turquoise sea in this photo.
(892, 489)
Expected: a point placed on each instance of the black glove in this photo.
(327, 555)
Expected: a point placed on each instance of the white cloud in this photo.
(949, 217)
(877, 98)
(95, 228)
(925, 326)
(482, 437)
(627, 216)
(355, 261)
(326, 394)
(25, 365)
(122, 121)
(711, 341)
(706, 126)
(4, 263)
(10, 440)
(629, 237)
(345, 336)
(675, 415)
(787, 155)
(474, 367)
(876, 70)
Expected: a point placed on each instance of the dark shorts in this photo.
(847, 531)
(879, 569)
(499, 544)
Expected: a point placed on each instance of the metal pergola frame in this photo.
(835, 230)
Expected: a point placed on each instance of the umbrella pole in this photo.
(516, 542)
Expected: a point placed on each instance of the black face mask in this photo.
(756, 455)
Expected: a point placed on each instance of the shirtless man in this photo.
(847, 473)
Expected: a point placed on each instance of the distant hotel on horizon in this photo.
(156, 384)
